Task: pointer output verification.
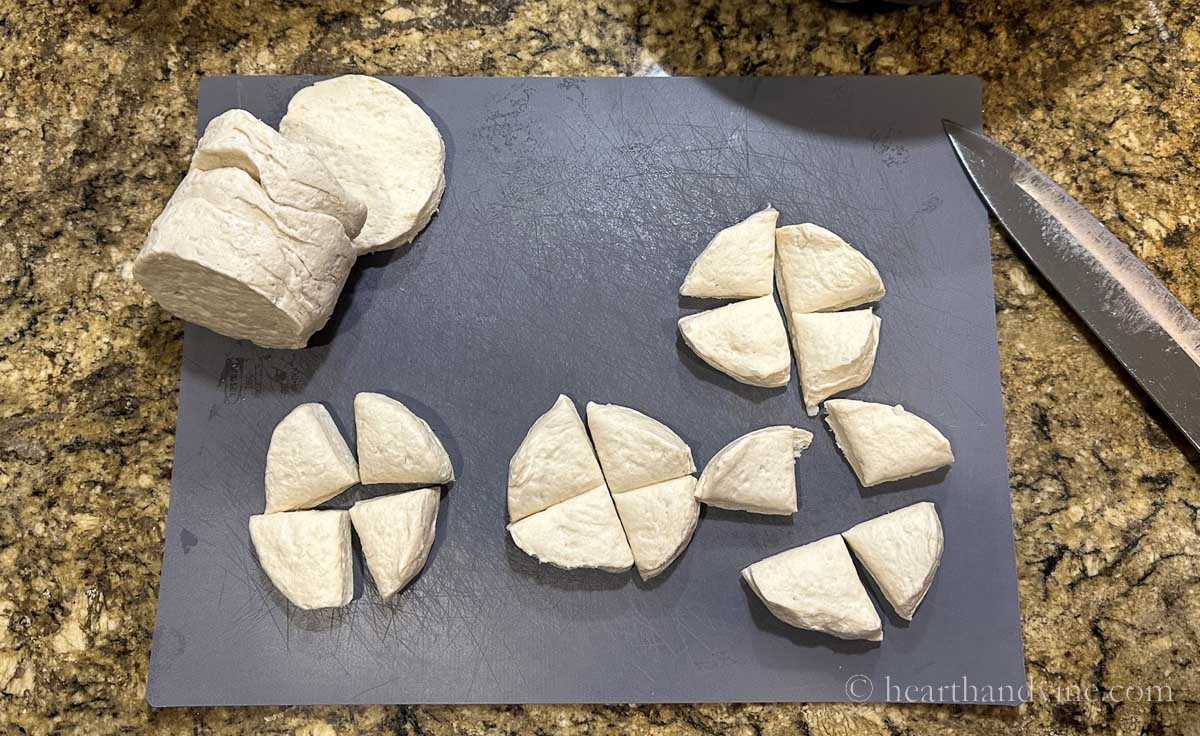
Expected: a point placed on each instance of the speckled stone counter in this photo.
(97, 106)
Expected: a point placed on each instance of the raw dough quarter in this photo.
(307, 556)
(835, 351)
(554, 462)
(636, 450)
(901, 551)
(395, 445)
(384, 149)
(396, 533)
(583, 531)
(738, 263)
(884, 443)
(308, 462)
(816, 587)
(817, 271)
(756, 472)
(658, 521)
(745, 340)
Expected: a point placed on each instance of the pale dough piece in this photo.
(554, 462)
(289, 173)
(308, 462)
(816, 587)
(835, 351)
(901, 551)
(885, 443)
(307, 556)
(816, 271)
(738, 263)
(658, 521)
(395, 445)
(636, 450)
(583, 531)
(396, 533)
(756, 472)
(745, 340)
(223, 255)
(383, 148)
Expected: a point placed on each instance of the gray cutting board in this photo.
(573, 209)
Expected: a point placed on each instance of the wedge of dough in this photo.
(745, 340)
(835, 351)
(223, 255)
(583, 531)
(383, 148)
(634, 449)
(738, 263)
(658, 521)
(554, 462)
(395, 445)
(307, 556)
(396, 533)
(901, 551)
(816, 587)
(817, 271)
(289, 173)
(885, 443)
(308, 462)
(756, 472)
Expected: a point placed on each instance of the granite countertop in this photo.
(97, 106)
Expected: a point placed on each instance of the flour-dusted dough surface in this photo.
(223, 255)
(816, 587)
(396, 533)
(395, 445)
(756, 472)
(901, 551)
(658, 521)
(289, 173)
(383, 148)
(885, 443)
(583, 531)
(554, 462)
(746, 340)
(307, 556)
(308, 461)
(835, 351)
(738, 262)
(817, 271)
(634, 449)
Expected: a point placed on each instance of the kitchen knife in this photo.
(1147, 329)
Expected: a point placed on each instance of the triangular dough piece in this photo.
(902, 551)
(756, 472)
(636, 450)
(396, 533)
(583, 531)
(308, 462)
(816, 587)
(395, 445)
(554, 462)
(659, 521)
(307, 556)
(885, 443)
(738, 262)
(816, 271)
(745, 340)
(835, 351)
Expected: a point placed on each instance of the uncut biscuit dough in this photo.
(756, 472)
(554, 462)
(835, 352)
(583, 531)
(308, 461)
(738, 262)
(885, 443)
(396, 533)
(307, 556)
(395, 445)
(659, 520)
(384, 149)
(636, 450)
(745, 340)
(901, 551)
(817, 271)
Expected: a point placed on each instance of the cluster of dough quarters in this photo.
(628, 499)
(816, 587)
(308, 462)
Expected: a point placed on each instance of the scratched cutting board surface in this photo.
(572, 211)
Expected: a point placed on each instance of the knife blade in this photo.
(1151, 334)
